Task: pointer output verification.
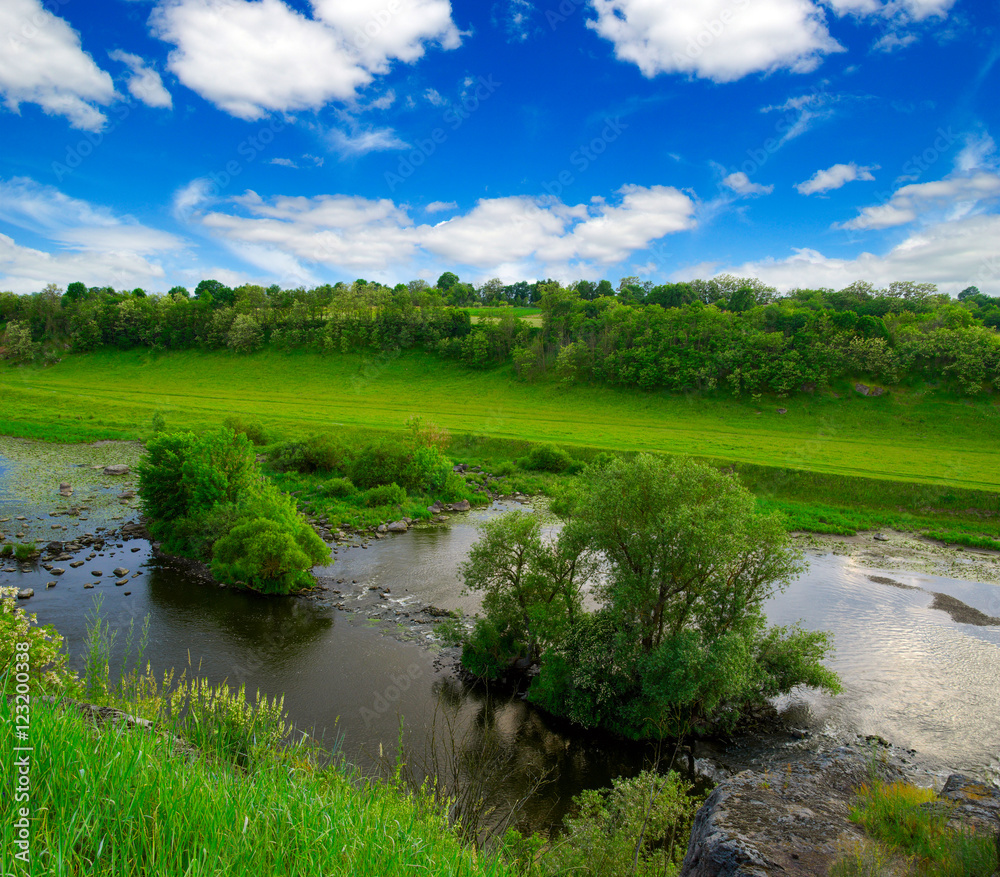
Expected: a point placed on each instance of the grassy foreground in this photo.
(112, 801)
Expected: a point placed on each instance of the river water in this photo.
(911, 673)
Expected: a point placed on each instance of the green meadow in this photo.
(911, 437)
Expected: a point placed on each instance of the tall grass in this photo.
(911, 831)
(111, 800)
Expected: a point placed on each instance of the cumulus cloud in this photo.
(951, 254)
(252, 58)
(144, 84)
(42, 62)
(89, 241)
(441, 206)
(498, 236)
(740, 183)
(721, 40)
(957, 196)
(834, 177)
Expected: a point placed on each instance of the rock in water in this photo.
(116, 469)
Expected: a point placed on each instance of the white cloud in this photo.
(955, 196)
(42, 62)
(252, 58)
(90, 242)
(515, 17)
(441, 206)
(434, 97)
(893, 41)
(144, 84)
(721, 40)
(383, 102)
(740, 183)
(283, 162)
(511, 236)
(362, 142)
(834, 177)
(951, 254)
(978, 152)
(905, 10)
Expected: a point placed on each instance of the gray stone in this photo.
(50, 584)
(120, 571)
(25, 594)
(397, 527)
(782, 411)
(462, 506)
(58, 571)
(117, 469)
(121, 582)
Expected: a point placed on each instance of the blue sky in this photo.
(806, 142)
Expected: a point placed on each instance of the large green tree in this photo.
(679, 640)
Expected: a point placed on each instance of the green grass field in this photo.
(902, 437)
(531, 316)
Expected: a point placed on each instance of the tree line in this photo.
(730, 334)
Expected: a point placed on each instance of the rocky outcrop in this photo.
(794, 819)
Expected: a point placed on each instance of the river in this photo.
(912, 674)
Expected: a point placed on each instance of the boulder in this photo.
(25, 593)
(116, 469)
(397, 527)
(58, 571)
(792, 820)
(120, 571)
(462, 506)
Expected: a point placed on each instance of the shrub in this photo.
(253, 429)
(338, 488)
(271, 548)
(546, 458)
(384, 494)
(637, 828)
(383, 461)
(44, 659)
(320, 452)
(505, 469)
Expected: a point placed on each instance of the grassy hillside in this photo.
(905, 437)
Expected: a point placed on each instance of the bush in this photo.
(271, 548)
(383, 495)
(384, 461)
(320, 452)
(547, 458)
(253, 429)
(44, 659)
(338, 488)
(505, 469)
(637, 828)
